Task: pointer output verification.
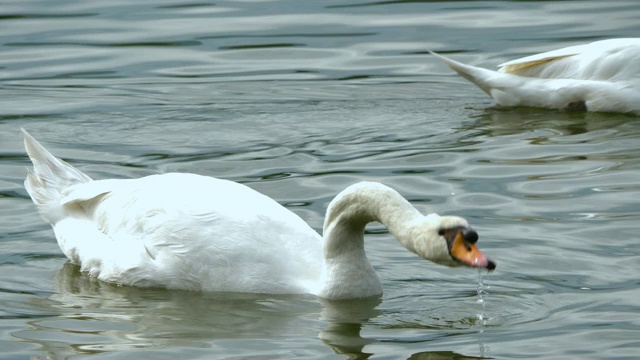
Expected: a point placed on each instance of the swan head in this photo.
(450, 241)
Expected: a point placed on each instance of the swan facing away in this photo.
(600, 76)
(192, 232)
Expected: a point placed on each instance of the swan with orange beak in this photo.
(462, 248)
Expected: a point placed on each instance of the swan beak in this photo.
(468, 253)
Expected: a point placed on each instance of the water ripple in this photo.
(299, 100)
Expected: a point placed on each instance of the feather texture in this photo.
(193, 232)
(600, 76)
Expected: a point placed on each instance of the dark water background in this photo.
(299, 99)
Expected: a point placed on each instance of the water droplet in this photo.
(483, 318)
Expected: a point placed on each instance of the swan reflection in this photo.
(93, 317)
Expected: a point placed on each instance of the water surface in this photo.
(299, 99)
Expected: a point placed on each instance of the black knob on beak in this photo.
(470, 236)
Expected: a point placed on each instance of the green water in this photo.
(299, 99)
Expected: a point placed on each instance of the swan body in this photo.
(601, 76)
(192, 232)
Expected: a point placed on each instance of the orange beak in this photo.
(469, 254)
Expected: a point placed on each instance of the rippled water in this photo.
(299, 99)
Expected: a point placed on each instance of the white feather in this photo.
(186, 231)
(600, 76)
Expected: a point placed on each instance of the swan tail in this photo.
(482, 78)
(48, 178)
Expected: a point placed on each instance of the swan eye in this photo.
(441, 232)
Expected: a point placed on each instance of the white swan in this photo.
(601, 76)
(186, 231)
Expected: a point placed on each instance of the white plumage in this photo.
(600, 76)
(186, 231)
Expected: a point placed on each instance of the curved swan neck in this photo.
(360, 204)
(347, 272)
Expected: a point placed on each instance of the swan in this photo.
(192, 232)
(602, 76)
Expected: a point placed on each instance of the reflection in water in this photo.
(95, 317)
(497, 121)
(345, 320)
(442, 355)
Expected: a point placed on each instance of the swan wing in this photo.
(182, 231)
(601, 76)
(610, 60)
(192, 232)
